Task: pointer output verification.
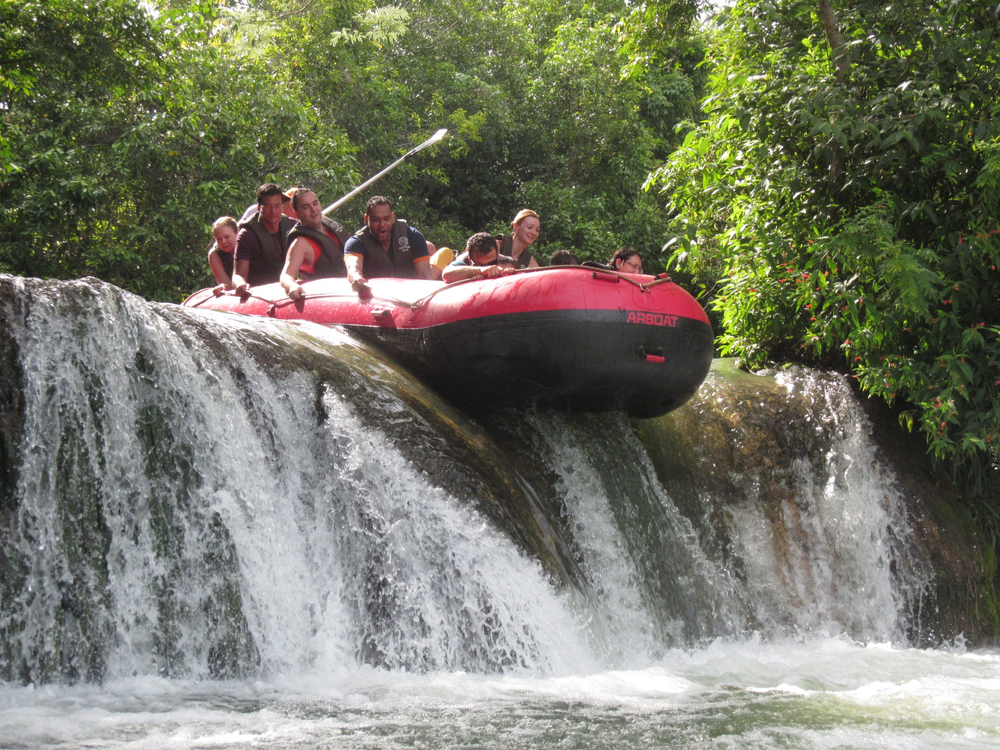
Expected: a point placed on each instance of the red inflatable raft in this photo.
(576, 338)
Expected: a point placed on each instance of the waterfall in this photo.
(788, 494)
(197, 494)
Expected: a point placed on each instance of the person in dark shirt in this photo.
(262, 243)
(385, 246)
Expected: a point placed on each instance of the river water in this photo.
(229, 533)
(820, 693)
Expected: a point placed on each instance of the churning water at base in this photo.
(217, 532)
(821, 695)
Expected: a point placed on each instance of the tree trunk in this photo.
(841, 55)
(842, 62)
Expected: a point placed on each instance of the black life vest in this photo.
(397, 263)
(273, 251)
(226, 259)
(330, 263)
(507, 248)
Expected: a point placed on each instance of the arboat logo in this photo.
(652, 319)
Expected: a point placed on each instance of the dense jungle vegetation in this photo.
(824, 175)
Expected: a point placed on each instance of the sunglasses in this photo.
(634, 265)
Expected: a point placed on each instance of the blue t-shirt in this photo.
(382, 264)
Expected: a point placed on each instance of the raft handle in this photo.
(608, 276)
(655, 355)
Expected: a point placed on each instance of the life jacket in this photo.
(330, 263)
(273, 252)
(226, 259)
(507, 248)
(397, 263)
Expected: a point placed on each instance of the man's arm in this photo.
(355, 268)
(423, 268)
(293, 262)
(241, 269)
(458, 272)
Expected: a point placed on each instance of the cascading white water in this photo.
(240, 514)
(817, 545)
(841, 563)
(203, 496)
(787, 493)
(653, 584)
(206, 495)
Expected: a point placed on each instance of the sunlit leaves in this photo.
(378, 26)
(856, 222)
(127, 150)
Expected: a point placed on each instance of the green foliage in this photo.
(379, 26)
(855, 221)
(127, 127)
(118, 155)
(541, 110)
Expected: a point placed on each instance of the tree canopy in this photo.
(128, 127)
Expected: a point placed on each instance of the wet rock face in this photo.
(964, 594)
(783, 458)
(12, 564)
(10, 402)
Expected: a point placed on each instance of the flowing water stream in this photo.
(217, 532)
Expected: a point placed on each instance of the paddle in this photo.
(429, 142)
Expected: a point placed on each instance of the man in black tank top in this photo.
(315, 245)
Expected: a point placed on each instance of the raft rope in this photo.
(285, 301)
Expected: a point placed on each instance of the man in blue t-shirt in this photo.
(385, 246)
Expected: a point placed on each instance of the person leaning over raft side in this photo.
(626, 260)
(385, 247)
(262, 243)
(526, 226)
(220, 254)
(480, 260)
(315, 245)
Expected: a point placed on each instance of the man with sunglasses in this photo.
(478, 261)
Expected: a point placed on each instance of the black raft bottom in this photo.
(572, 360)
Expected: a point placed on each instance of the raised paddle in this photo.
(429, 142)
